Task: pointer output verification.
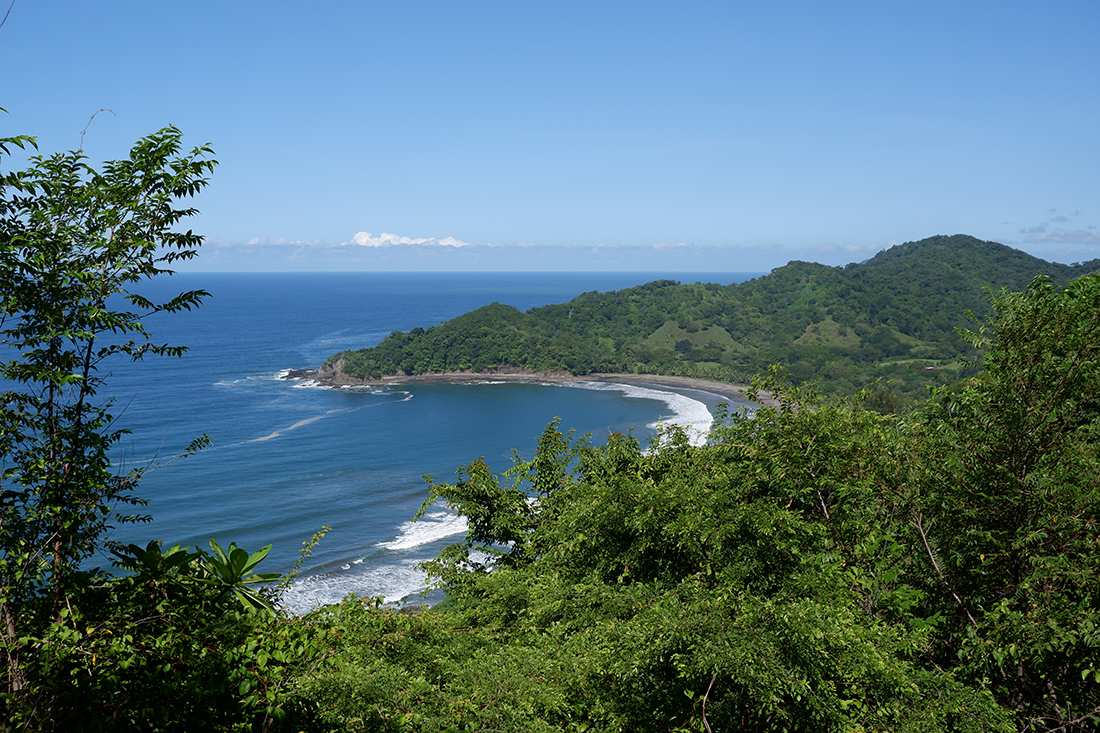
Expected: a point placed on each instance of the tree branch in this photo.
(917, 523)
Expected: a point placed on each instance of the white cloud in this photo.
(366, 239)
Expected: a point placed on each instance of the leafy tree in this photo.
(1009, 506)
(74, 242)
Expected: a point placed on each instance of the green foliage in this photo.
(1008, 510)
(817, 566)
(225, 571)
(893, 319)
(232, 571)
(187, 640)
(71, 238)
(502, 520)
(303, 555)
(164, 649)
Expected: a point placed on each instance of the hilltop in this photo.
(893, 318)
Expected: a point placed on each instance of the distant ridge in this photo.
(970, 255)
(892, 318)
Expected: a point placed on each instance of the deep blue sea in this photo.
(289, 457)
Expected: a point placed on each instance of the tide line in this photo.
(405, 398)
(298, 424)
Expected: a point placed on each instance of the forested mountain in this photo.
(891, 318)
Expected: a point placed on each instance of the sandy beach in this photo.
(337, 379)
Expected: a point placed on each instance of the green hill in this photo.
(893, 318)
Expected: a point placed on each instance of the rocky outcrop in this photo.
(329, 375)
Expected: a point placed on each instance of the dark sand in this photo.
(719, 388)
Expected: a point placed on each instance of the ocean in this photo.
(289, 457)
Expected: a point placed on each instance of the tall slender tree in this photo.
(75, 244)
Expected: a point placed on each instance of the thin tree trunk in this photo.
(16, 679)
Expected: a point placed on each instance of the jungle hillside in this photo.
(893, 318)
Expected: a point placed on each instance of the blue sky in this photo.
(699, 136)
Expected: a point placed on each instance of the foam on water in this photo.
(393, 581)
(405, 395)
(277, 375)
(431, 527)
(394, 578)
(687, 413)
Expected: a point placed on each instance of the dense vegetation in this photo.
(84, 649)
(816, 566)
(892, 318)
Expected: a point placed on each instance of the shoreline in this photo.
(334, 379)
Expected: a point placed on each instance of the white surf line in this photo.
(265, 377)
(687, 412)
(429, 528)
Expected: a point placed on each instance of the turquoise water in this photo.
(289, 457)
